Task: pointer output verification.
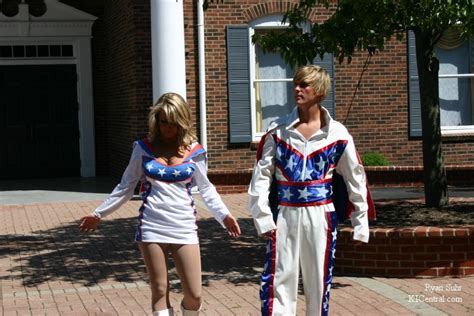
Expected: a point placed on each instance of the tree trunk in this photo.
(436, 187)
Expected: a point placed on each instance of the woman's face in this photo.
(168, 131)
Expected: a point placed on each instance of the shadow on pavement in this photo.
(110, 254)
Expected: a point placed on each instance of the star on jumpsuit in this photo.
(304, 194)
(307, 174)
(321, 192)
(176, 173)
(320, 164)
(287, 194)
(291, 163)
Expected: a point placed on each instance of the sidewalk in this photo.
(48, 268)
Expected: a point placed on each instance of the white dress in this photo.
(168, 213)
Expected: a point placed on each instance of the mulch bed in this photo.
(415, 213)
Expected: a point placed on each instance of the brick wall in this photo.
(408, 252)
(123, 93)
(378, 119)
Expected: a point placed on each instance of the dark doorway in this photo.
(39, 131)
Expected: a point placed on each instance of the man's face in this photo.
(305, 94)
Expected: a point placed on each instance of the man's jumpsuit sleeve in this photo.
(259, 188)
(350, 167)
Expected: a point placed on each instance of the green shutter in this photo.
(414, 99)
(328, 64)
(238, 81)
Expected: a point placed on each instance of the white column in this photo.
(167, 45)
(86, 107)
(202, 74)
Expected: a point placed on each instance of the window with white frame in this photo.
(271, 85)
(456, 84)
(260, 85)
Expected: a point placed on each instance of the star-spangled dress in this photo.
(306, 221)
(168, 212)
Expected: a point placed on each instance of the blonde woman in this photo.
(168, 162)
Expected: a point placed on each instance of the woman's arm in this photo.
(125, 189)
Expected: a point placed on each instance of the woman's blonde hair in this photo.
(177, 111)
(314, 76)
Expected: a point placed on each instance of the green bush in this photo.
(374, 159)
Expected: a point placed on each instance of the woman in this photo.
(301, 152)
(169, 162)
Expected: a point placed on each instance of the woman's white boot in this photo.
(187, 312)
(164, 312)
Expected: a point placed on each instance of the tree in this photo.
(359, 25)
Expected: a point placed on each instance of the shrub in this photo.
(374, 159)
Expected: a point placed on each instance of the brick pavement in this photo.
(48, 268)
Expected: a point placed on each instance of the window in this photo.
(456, 85)
(260, 85)
(35, 51)
(271, 86)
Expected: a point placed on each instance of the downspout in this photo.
(202, 74)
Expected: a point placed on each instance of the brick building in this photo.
(384, 116)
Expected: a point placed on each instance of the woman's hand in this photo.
(232, 226)
(89, 223)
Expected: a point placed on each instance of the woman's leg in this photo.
(156, 261)
(187, 259)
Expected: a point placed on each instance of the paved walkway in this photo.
(48, 268)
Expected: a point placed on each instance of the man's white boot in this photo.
(164, 312)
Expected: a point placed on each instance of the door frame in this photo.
(60, 25)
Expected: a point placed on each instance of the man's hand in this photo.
(269, 234)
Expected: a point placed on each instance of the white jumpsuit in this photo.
(168, 212)
(306, 221)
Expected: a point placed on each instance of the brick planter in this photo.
(413, 175)
(408, 252)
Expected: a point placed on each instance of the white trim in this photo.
(65, 25)
(466, 130)
(202, 74)
(273, 80)
(456, 76)
(265, 22)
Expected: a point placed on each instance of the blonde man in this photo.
(301, 152)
